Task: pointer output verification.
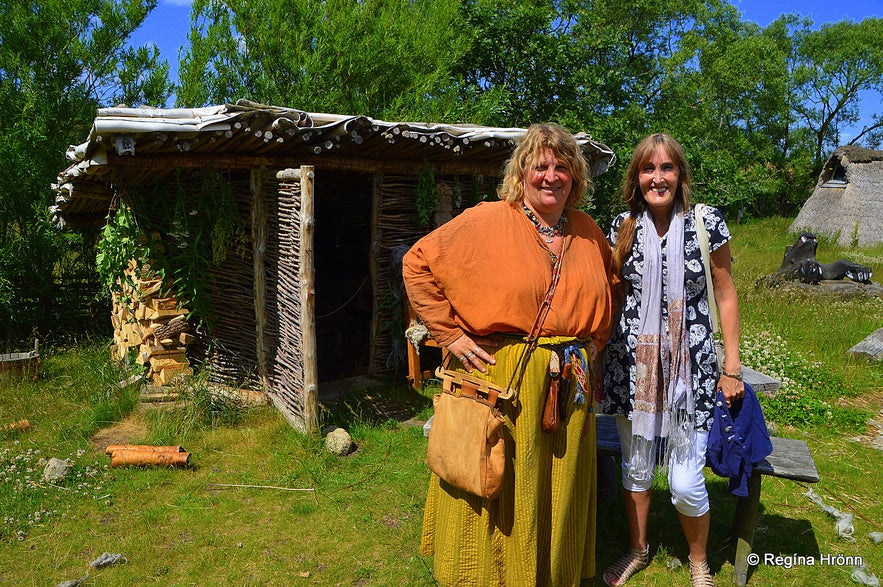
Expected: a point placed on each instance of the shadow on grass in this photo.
(372, 402)
(775, 535)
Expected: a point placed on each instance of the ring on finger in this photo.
(463, 358)
(470, 354)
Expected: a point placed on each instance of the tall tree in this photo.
(383, 58)
(518, 57)
(834, 65)
(59, 60)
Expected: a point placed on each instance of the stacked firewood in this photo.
(150, 329)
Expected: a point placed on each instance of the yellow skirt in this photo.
(541, 529)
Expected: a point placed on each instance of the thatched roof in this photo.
(847, 203)
(856, 154)
(127, 146)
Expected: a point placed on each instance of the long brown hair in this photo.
(631, 189)
(562, 144)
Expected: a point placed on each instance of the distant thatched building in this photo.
(847, 203)
(324, 203)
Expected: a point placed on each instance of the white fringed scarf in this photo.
(663, 411)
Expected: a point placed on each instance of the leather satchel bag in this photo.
(466, 446)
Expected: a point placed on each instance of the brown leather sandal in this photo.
(700, 574)
(626, 566)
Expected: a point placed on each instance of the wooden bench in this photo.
(790, 459)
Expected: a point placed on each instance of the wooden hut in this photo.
(311, 291)
(847, 203)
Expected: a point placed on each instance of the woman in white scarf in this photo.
(661, 373)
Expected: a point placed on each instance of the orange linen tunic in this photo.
(485, 272)
(488, 270)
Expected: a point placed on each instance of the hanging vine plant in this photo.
(122, 242)
(428, 197)
(195, 231)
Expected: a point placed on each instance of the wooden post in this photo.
(744, 523)
(306, 279)
(373, 265)
(259, 251)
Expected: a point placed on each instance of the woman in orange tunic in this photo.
(477, 283)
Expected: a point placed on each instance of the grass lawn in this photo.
(263, 505)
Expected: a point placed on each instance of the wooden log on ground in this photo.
(112, 448)
(122, 458)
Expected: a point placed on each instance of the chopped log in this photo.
(163, 303)
(112, 448)
(157, 353)
(870, 348)
(157, 314)
(164, 370)
(131, 334)
(121, 458)
(160, 397)
(171, 329)
(149, 287)
(141, 312)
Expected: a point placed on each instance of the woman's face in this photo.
(658, 180)
(547, 184)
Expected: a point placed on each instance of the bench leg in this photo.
(744, 523)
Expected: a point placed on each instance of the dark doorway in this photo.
(344, 297)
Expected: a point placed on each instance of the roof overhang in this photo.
(129, 146)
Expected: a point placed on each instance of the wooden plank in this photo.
(790, 459)
(870, 348)
(744, 523)
(760, 382)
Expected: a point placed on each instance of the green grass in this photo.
(358, 522)
(802, 338)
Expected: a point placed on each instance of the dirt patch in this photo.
(131, 429)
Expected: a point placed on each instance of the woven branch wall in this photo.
(283, 298)
(399, 229)
(232, 358)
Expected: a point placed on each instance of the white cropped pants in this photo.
(686, 479)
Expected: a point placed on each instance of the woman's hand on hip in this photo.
(469, 352)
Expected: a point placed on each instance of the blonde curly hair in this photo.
(529, 147)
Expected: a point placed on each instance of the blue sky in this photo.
(167, 25)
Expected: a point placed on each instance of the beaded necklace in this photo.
(547, 232)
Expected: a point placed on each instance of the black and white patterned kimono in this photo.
(619, 367)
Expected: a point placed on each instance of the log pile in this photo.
(152, 328)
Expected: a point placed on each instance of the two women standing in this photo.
(477, 283)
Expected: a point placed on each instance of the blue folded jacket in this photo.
(738, 439)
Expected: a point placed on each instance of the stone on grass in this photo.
(56, 470)
(339, 442)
